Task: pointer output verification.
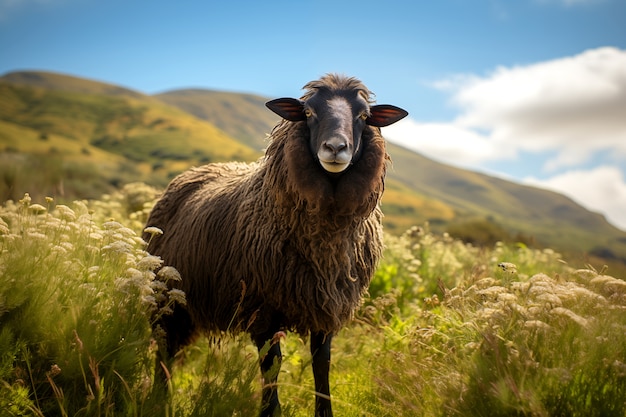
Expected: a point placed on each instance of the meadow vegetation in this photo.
(448, 328)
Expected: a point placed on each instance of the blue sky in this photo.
(530, 90)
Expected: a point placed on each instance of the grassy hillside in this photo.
(447, 329)
(242, 116)
(81, 135)
(62, 82)
(548, 216)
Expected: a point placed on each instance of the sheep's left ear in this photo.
(287, 108)
(385, 114)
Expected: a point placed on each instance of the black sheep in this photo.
(287, 243)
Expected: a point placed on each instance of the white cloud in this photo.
(568, 112)
(574, 106)
(445, 142)
(602, 189)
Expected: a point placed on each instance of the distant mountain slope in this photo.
(549, 216)
(100, 133)
(242, 116)
(66, 136)
(61, 82)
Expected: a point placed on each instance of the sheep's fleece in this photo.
(276, 241)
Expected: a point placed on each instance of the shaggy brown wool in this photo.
(279, 240)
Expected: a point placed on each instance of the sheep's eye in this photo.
(363, 115)
(308, 112)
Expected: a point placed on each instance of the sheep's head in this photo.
(336, 110)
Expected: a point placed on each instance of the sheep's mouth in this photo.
(334, 167)
(334, 162)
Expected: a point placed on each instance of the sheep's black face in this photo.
(336, 120)
(336, 123)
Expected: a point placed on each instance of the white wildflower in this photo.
(158, 286)
(519, 309)
(485, 282)
(579, 294)
(59, 249)
(507, 297)
(616, 286)
(540, 278)
(177, 296)
(169, 273)
(118, 247)
(600, 280)
(539, 288)
(66, 213)
(549, 298)
(153, 231)
(137, 240)
(37, 208)
(35, 235)
(487, 313)
(92, 248)
(150, 302)
(535, 310)
(492, 292)
(112, 225)
(67, 246)
(134, 274)
(149, 263)
(560, 311)
(126, 232)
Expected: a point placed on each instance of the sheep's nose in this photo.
(335, 146)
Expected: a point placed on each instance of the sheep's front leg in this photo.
(270, 356)
(320, 349)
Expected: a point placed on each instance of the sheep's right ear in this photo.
(287, 108)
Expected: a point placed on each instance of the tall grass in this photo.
(75, 300)
(448, 329)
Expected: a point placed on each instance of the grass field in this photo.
(448, 329)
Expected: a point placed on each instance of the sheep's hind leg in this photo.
(320, 349)
(270, 358)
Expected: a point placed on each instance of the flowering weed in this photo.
(448, 329)
(75, 298)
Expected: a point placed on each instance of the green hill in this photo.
(242, 116)
(77, 138)
(69, 137)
